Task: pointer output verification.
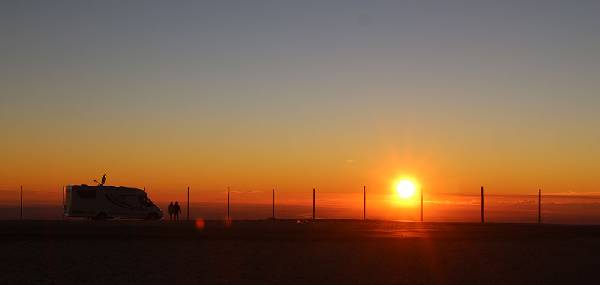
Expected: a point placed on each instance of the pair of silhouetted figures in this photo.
(174, 211)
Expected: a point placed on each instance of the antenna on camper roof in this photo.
(103, 180)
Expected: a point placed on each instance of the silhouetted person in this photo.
(170, 209)
(176, 210)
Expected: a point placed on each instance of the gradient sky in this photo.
(301, 94)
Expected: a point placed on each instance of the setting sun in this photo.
(405, 188)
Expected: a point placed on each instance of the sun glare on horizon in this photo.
(406, 188)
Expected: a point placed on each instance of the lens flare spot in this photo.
(200, 224)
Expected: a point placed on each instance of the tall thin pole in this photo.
(63, 202)
(539, 206)
(365, 203)
(21, 215)
(228, 216)
(313, 216)
(482, 207)
(421, 205)
(188, 203)
(273, 204)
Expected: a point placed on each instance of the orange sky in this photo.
(294, 96)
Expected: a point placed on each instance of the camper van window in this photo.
(145, 201)
(86, 194)
(130, 201)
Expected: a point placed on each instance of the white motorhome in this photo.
(103, 202)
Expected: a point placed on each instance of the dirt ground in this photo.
(292, 252)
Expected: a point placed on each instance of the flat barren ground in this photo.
(292, 252)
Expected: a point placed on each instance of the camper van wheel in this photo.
(101, 216)
(152, 216)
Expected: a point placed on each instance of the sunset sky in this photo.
(301, 94)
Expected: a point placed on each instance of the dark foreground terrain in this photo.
(289, 252)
